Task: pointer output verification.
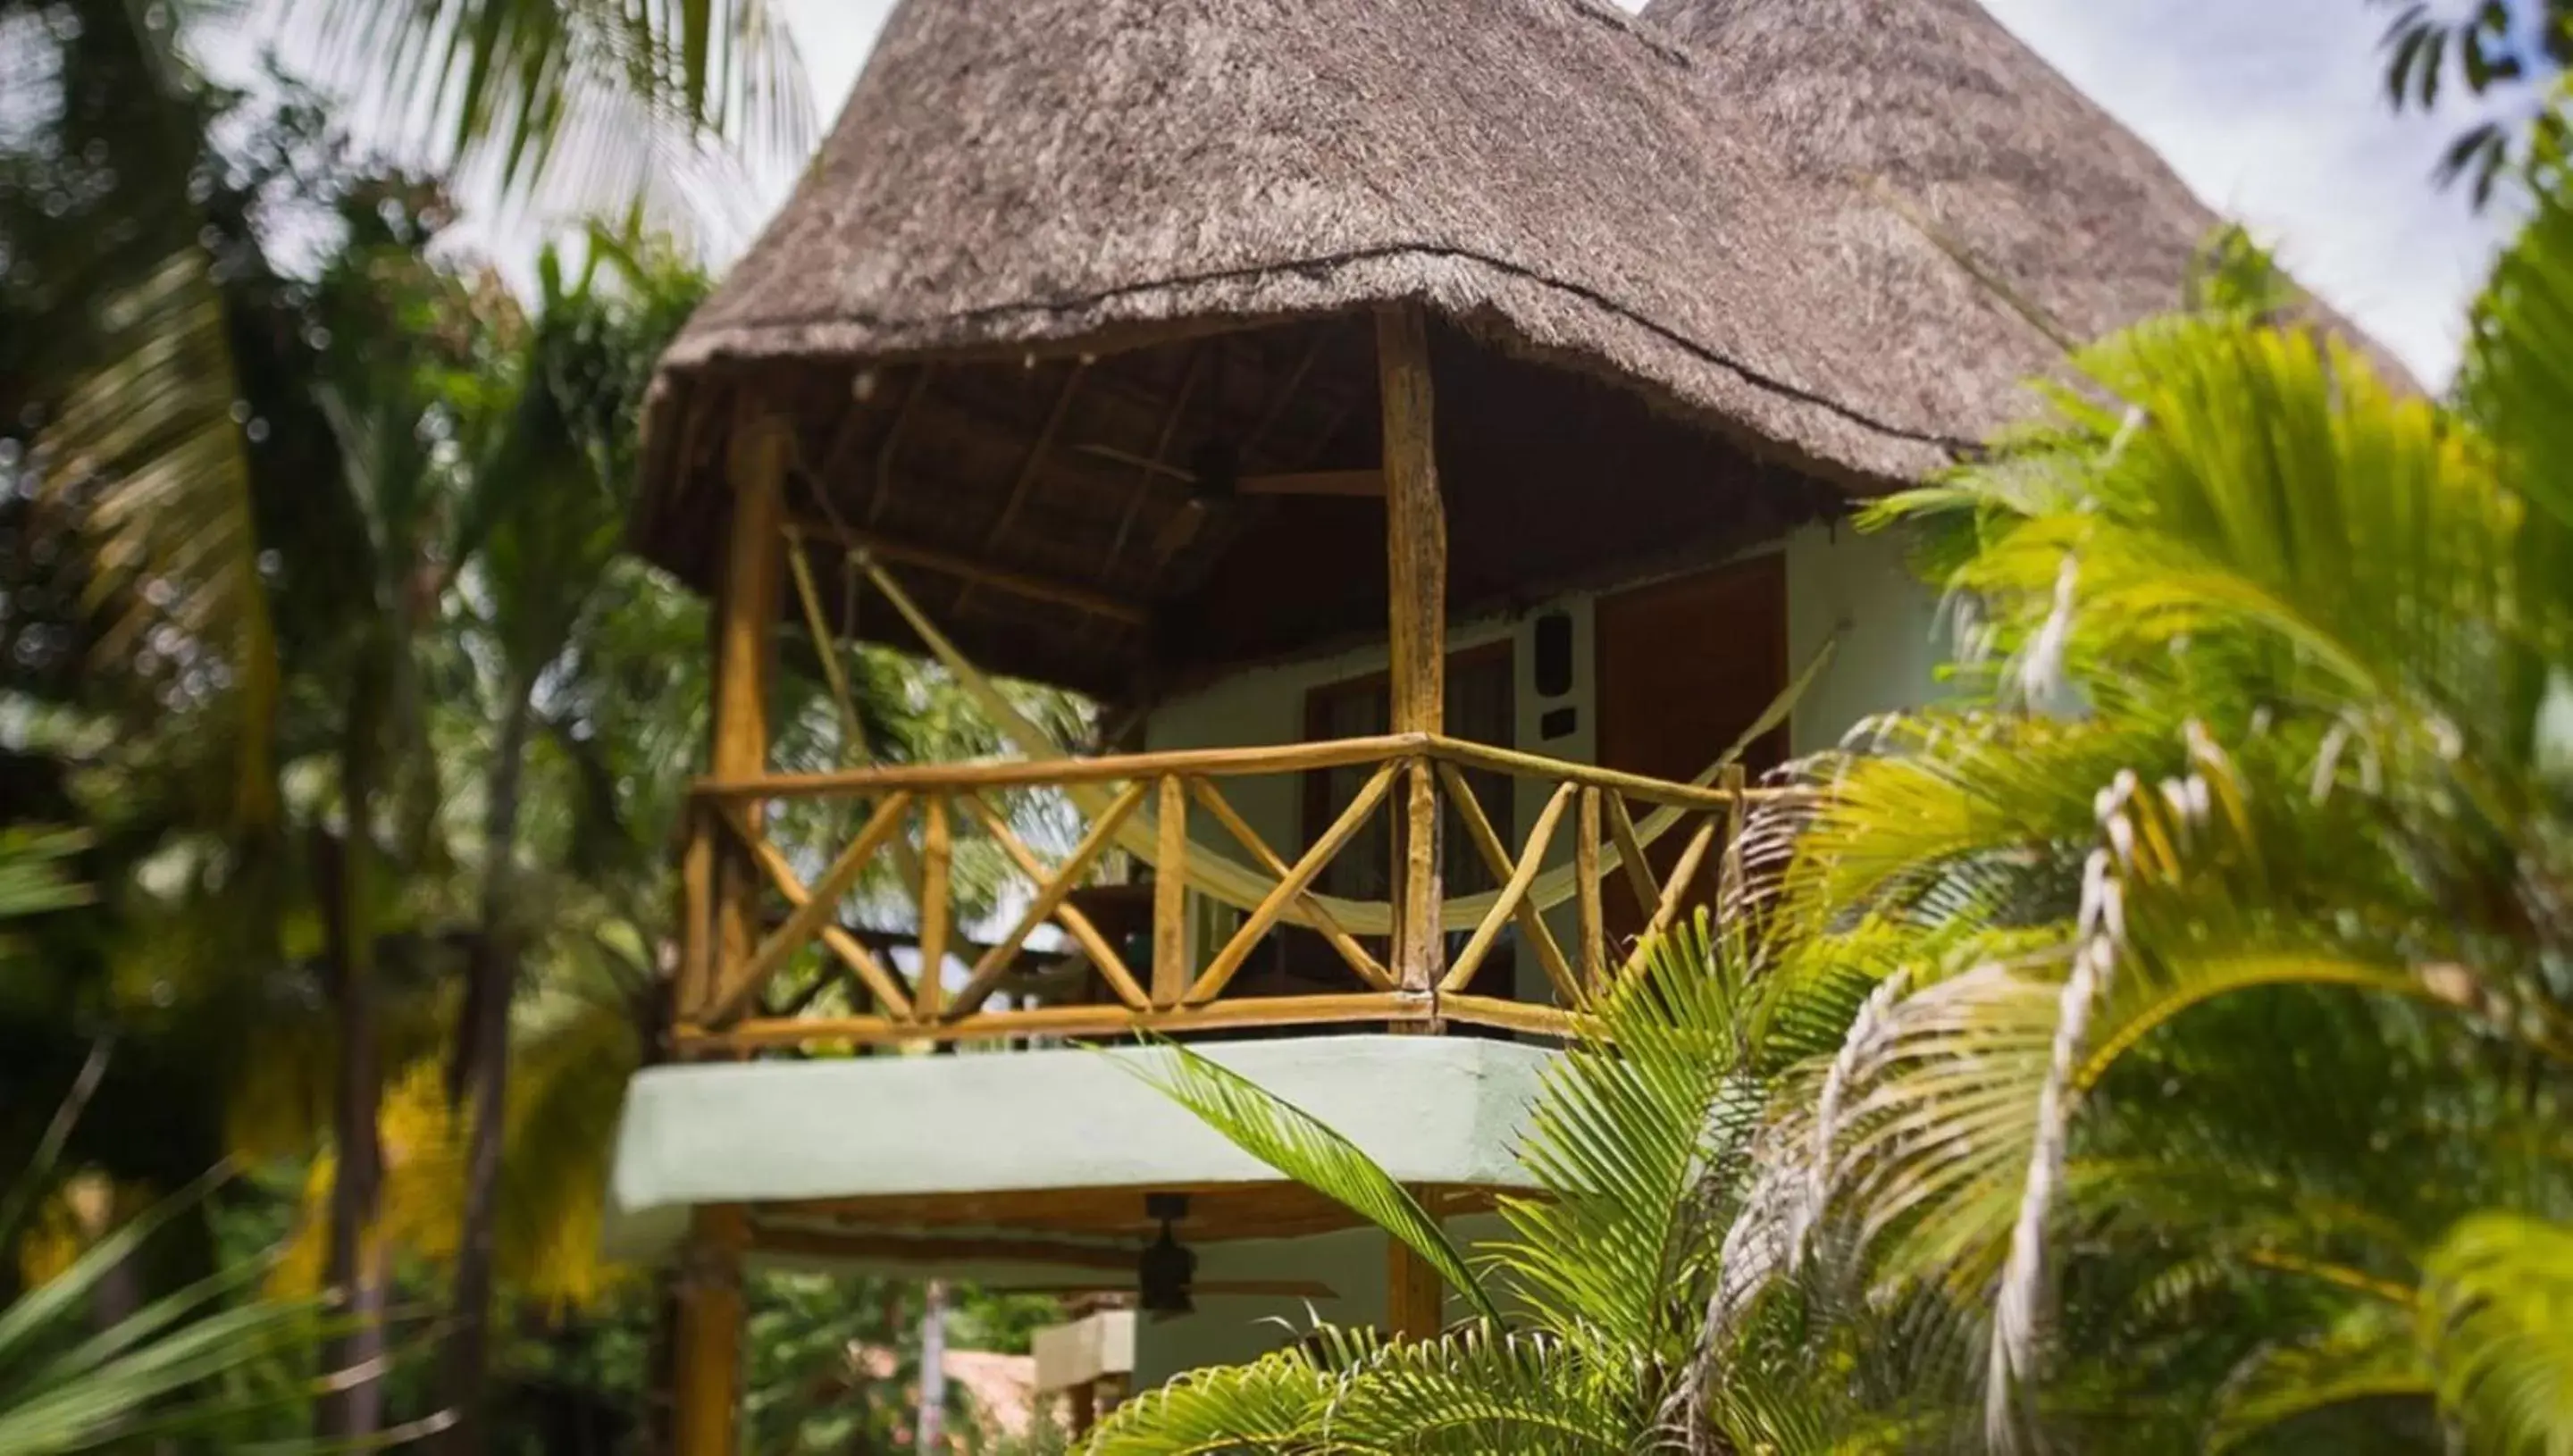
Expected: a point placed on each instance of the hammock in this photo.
(1227, 881)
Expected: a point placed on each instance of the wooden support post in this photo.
(707, 1384)
(1416, 579)
(1171, 895)
(1586, 882)
(937, 905)
(1414, 1296)
(745, 651)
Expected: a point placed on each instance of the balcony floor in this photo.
(876, 1152)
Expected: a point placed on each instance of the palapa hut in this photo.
(1421, 425)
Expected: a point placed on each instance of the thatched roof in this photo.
(1759, 219)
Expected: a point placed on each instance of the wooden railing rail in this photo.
(801, 979)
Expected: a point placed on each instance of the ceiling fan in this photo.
(1165, 1284)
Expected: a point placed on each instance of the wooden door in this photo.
(1684, 667)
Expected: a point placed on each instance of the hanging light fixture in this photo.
(1167, 1269)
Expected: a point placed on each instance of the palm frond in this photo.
(1276, 1405)
(153, 442)
(1625, 1128)
(2369, 1355)
(1303, 1147)
(2497, 1328)
(1477, 1389)
(586, 105)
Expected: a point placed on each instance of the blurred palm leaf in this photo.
(2499, 1329)
(66, 1386)
(588, 103)
(152, 441)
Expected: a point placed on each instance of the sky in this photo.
(2271, 110)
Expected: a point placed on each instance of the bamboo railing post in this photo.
(937, 905)
(1585, 875)
(1630, 854)
(1171, 895)
(1417, 581)
(746, 642)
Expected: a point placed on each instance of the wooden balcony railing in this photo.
(770, 964)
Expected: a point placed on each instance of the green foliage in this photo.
(33, 877)
(2486, 46)
(1589, 1333)
(1302, 1146)
(2164, 1044)
(68, 1383)
(2235, 1033)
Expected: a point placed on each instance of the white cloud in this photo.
(2276, 113)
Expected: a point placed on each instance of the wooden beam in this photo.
(937, 905)
(1022, 773)
(745, 643)
(1156, 462)
(1038, 453)
(1667, 908)
(887, 548)
(882, 488)
(1052, 886)
(1513, 1015)
(1417, 580)
(697, 860)
(1585, 875)
(854, 1246)
(1279, 404)
(1274, 903)
(1360, 484)
(1171, 895)
(1532, 925)
(707, 1384)
(1103, 956)
(853, 952)
(1633, 786)
(1066, 1020)
(820, 907)
(1206, 793)
(1630, 855)
(1513, 893)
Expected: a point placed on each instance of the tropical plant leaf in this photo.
(1305, 1148)
(2498, 1329)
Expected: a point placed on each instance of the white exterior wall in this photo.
(1860, 587)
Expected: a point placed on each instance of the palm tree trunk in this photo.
(465, 1376)
(353, 1408)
